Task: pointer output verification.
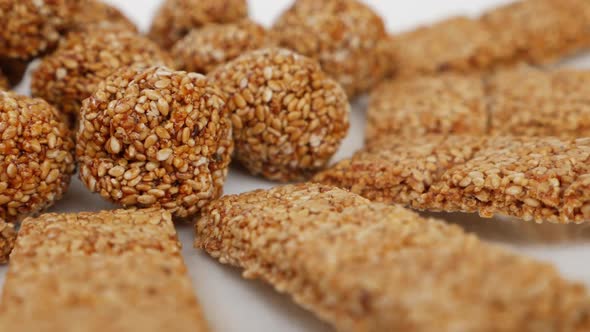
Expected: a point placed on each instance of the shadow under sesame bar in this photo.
(365, 266)
(523, 101)
(529, 31)
(545, 179)
(108, 271)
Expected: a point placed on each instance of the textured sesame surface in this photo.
(347, 37)
(36, 159)
(532, 102)
(363, 266)
(155, 137)
(72, 73)
(522, 101)
(533, 31)
(204, 49)
(545, 179)
(7, 239)
(288, 116)
(541, 31)
(448, 103)
(176, 18)
(31, 26)
(458, 44)
(107, 271)
(96, 14)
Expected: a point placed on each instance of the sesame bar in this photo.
(540, 31)
(528, 31)
(108, 271)
(365, 266)
(7, 239)
(531, 102)
(449, 103)
(545, 179)
(458, 44)
(522, 101)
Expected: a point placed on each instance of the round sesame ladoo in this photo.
(204, 49)
(97, 14)
(176, 18)
(30, 27)
(347, 37)
(155, 138)
(288, 116)
(37, 159)
(72, 73)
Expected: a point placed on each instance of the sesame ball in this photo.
(155, 138)
(97, 14)
(30, 27)
(347, 38)
(70, 74)
(176, 18)
(288, 116)
(36, 160)
(204, 49)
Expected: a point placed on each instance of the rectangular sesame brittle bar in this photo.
(108, 271)
(527, 31)
(545, 179)
(364, 266)
(523, 101)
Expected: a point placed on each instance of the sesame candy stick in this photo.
(107, 271)
(545, 179)
(522, 101)
(364, 266)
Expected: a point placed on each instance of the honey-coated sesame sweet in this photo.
(7, 239)
(36, 159)
(176, 18)
(31, 27)
(347, 37)
(204, 49)
(106, 271)
(155, 138)
(532, 178)
(72, 73)
(289, 117)
(363, 266)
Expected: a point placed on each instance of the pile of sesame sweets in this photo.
(204, 49)
(347, 38)
(289, 117)
(155, 138)
(84, 59)
(36, 160)
(176, 18)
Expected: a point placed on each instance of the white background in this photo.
(233, 304)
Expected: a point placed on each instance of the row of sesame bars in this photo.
(107, 271)
(365, 266)
(545, 179)
(530, 31)
(523, 101)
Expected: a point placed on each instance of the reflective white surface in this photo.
(233, 304)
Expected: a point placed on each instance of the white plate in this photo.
(234, 304)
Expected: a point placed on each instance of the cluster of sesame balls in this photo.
(144, 126)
